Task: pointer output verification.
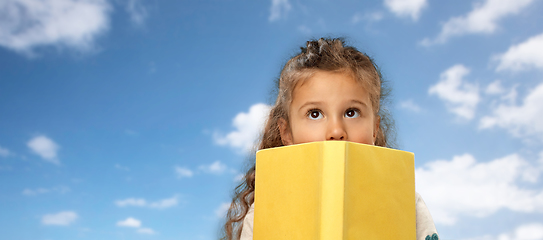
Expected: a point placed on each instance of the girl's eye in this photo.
(314, 114)
(352, 113)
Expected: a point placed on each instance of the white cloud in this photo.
(410, 105)
(4, 152)
(146, 231)
(279, 9)
(465, 187)
(129, 222)
(238, 178)
(140, 202)
(406, 8)
(511, 96)
(221, 211)
(61, 219)
(136, 202)
(164, 203)
(482, 19)
(37, 191)
(370, 17)
(45, 148)
(247, 126)
(215, 168)
(357, 17)
(183, 172)
(520, 120)
(27, 24)
(461, 98)
(137, 12)
(530, 231)
(525, 55)
(121, 167)
(30, 192)
(135, 223)
(495, 88)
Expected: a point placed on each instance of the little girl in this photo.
(327, 92)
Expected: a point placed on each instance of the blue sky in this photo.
(133, 119)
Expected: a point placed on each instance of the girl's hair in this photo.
(319, 55)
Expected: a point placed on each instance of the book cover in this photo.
(334, 190)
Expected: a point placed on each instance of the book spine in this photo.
(332, 198)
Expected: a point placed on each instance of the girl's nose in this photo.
(336, 131)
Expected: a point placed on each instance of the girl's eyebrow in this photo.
(359, 102)
(310, 103)
(319, 103)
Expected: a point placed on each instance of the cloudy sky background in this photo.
(133, 119)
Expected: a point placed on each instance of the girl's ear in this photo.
(284, 130)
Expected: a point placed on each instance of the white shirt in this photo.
(425, 223)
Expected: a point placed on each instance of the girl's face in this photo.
(330, 106)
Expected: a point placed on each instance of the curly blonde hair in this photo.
(318, 55)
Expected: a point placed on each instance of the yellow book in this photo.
(334, 190)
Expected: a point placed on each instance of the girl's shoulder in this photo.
(247, 227)
(426, 228)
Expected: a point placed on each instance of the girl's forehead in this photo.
(328, 78)
(329, 86)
